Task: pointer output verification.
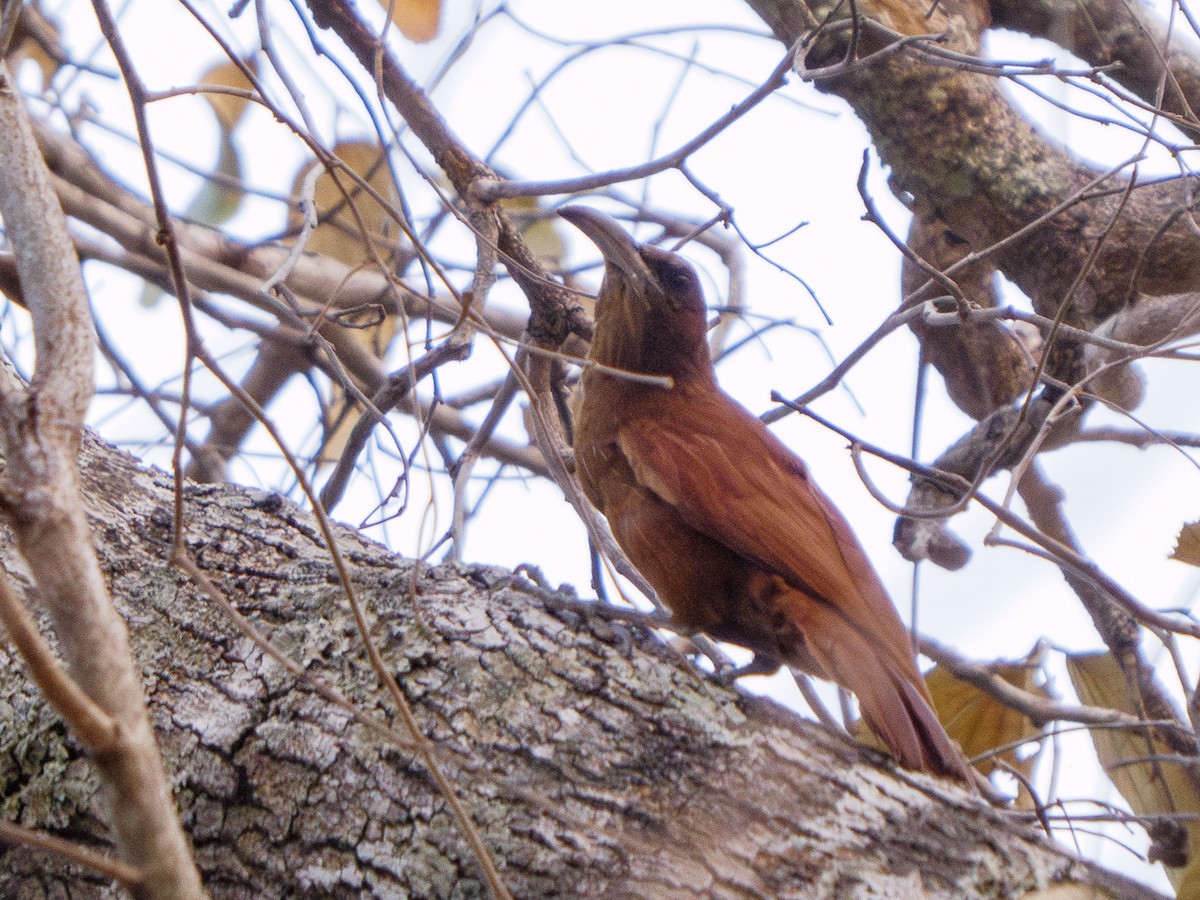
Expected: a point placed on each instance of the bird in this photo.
(722, 519)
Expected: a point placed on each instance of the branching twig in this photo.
(41, 429)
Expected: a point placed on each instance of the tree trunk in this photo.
(594, 760)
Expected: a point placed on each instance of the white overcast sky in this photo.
(793, 159)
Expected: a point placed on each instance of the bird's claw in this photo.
(760, 665)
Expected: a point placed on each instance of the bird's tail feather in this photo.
(894, 702)
(919, 741)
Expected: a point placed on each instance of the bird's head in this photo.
(650, 314)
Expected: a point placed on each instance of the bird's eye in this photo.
(675, 274)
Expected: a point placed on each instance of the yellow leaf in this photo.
(977, 722)
(340, 417)
(1189, 884)
(338, 233)
(1152, 788)
(1069, 892)
(418, 20)
(228, 107)
(1187, 545)
(37, 38)
(350, 238)
(981, 724)
(540, 229)
(218, 199)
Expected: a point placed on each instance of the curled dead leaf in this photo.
(418, 20)
(1187, 545)
(1144, 770)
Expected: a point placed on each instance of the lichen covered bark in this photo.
(594, 760)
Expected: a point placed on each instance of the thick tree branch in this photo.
(555, 312)
(595, 762)
(41, 427)
(1160, 67)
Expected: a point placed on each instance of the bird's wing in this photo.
(733, 480)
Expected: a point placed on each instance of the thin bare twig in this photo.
(130, 877)
(41, 430)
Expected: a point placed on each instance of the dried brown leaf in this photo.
(418, 20)
(1156, 787)
(228, 107)
(350, 239)
(1187, 545)
(338, 233)
(979, 722)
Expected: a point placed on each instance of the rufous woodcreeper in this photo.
(721, 518)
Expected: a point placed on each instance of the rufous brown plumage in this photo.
(720, 517)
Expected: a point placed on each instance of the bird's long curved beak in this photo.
(616, 246)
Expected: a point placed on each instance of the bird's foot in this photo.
(760, 665)
(529, 580)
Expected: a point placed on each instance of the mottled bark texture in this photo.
(1104, 252)
(595, 762)
(41, 422)
(955, 142)
(1156, 60)
(986, 364)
